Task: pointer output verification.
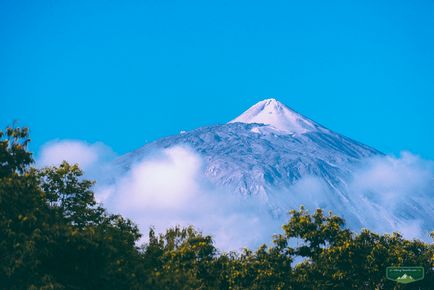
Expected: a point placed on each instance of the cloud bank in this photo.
(383, 194)
(168, 188)
(396, 186)
(94, 158)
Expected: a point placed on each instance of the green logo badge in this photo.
(405, 275)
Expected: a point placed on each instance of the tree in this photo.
(23, 213)
(53, 233)
(335, 258)
(181, 258)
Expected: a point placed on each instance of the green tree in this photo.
(181, 258)
(265, 268)
(23, 213)
(335, 258)
(53, 235)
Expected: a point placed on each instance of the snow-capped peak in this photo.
(274, 113)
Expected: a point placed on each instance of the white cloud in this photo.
(391, 179)
(383, 194)
(94, 159)
(168, 189)
(396, 194)
(167, 181)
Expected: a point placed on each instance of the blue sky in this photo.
(127, 72)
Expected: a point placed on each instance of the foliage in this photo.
(335, 258)
(54, 235)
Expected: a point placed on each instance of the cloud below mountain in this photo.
(90, 157)
(400, 186)
(165, 181)
(168, 188)
(393, 179)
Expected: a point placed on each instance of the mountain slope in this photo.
(271, 151)
(250, 157)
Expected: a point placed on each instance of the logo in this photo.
(405, 275)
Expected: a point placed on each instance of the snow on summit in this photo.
(273, 113)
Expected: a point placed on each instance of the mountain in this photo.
(280, 158)
(405, 277)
